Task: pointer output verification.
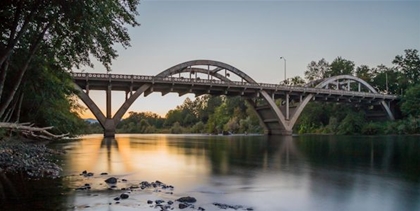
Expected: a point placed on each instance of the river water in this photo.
(247, 172)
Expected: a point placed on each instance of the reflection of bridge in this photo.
(183, 78)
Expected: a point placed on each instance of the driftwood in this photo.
(28, 130)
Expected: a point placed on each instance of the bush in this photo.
(176, 128)
(371, 129)
(351, 124)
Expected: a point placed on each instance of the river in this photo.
(248, 172)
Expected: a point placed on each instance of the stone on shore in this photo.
(187, 199)
(124, 196)
(111, 180)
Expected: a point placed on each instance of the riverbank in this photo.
(33, 158)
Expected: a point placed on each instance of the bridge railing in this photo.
(261, 86)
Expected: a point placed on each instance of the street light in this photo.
(284, 67)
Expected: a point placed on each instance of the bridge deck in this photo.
(127, 83)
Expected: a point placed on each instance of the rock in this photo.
(124, 180)
(90, 174)
(159, 201)
(84, 172)
(111, 180)
(117, 198)
(187, 199)
(145, 184)
(87, 185)
(226, 206)
(149, 201)
(182, 205)
(201, 209)
(104, 173)
(170, 202)
(124, 196)
(134, 187)
(113, 186)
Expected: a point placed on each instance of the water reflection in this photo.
(263, 172)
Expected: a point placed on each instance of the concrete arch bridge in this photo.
(212, 77)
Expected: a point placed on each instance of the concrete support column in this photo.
(109, 128)
(108, 102)
(278, 132)
(287, 106)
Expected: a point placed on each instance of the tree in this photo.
(388, 80)
(46, 98)
(365, 73)
(411, 101)
(297, 81)
(340, 66)
(409, 65)
(316, 71)
(352, 124)
(69, 32)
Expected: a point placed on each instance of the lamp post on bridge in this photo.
(287, 94)
(284, 67)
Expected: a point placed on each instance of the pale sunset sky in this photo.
(253, 35)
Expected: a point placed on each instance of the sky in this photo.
(253, 35)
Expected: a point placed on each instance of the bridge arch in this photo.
(219, 67)
(336, 80)
(189, 66)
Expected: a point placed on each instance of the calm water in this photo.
(264, 173)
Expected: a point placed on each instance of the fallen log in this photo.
(29, 131)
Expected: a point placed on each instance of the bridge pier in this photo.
(109, 128)
(278, 132)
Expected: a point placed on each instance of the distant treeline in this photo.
(215, 114)
(206, 114)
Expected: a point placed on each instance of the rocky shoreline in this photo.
(28, 157)
(35, 160)
(125, 189)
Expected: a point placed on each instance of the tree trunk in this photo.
(4, 105)
(10, 112)
(3, 75)
(33, 132)
(19, 108)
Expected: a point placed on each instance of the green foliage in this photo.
(199, 127)
(371, 128)
(176, 128)
(341, 66)
(351, 124)
(142, 122)
(333, 125)
(313, 116)
(41, 41)
(76, 30)
(232, 125)
(316, 71)
(410, 102)
(48, 99)
(388, 80)
(409, 65)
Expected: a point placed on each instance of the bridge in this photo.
(212, 77)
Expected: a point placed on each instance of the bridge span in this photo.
(212, 77)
